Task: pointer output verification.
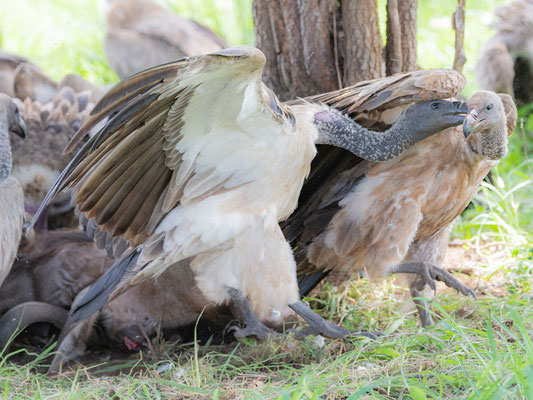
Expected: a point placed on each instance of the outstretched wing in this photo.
(173, 134)
(375, 104)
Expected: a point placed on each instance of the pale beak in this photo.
(470, 121)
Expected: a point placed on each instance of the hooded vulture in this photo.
(396, 216)
(505, 62)
(11, 196)
(196, 163)
(37, 161)
(142, 34)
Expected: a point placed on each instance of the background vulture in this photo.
(505, 62)
(38, 160)
(396, 216)
(11, 196)
(142, 34)
(8, 64)
(50, 270)
(197, 164)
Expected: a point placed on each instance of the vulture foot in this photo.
(421, 305)
(242, 311)
(319, 326)
(430, 274)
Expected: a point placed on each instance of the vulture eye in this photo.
(489, 107)
(435, 106)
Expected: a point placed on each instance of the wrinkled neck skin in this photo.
(367, 144)
(489, 143)
(5, 151)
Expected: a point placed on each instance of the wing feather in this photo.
(167, 137)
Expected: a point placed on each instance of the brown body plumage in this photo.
(401, 210)
(142, 34)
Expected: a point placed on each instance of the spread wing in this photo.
(335, 172)
(176, 134)
(11, 220)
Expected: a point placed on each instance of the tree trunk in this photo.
(316, 46)
(393, 49)
(407, 14)
(362, 41)
(400, 51)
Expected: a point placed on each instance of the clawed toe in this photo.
(260, 331)
(431, 273)
(319, 326)
(442, 275)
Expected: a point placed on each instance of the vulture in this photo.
(44, 281)
(396, 216)
(142, 34)
(49, 272)
(37, 160)
(11, 196)
(505, 62)
(8, 64)
(196, 163)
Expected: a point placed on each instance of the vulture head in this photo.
(430, 117)
(413, 125)
(488, 124)
(9, 112)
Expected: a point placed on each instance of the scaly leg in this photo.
(319, 326)
(430, 274)
(421, 305)
(242, 311)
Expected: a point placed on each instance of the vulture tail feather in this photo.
(97, 295)
(309, 282)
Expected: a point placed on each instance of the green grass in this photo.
(477, 350)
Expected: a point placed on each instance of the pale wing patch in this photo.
(11, 221)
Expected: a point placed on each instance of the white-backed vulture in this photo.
(11, 196)
(142, 34)
(505, 62)
(38, 160)
(197, 163)
(396, 216)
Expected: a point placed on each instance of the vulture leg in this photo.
(242, 311)
(319, 326)
(422, 306)
(430, 273)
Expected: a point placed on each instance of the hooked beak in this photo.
(19, 128)
(470, 121)
(458, 111)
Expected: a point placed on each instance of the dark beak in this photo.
(19, 128)
(456, 115)
(461, 106)
(470, 122)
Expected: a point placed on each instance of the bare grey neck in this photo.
(367, 144)
(5, 151)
